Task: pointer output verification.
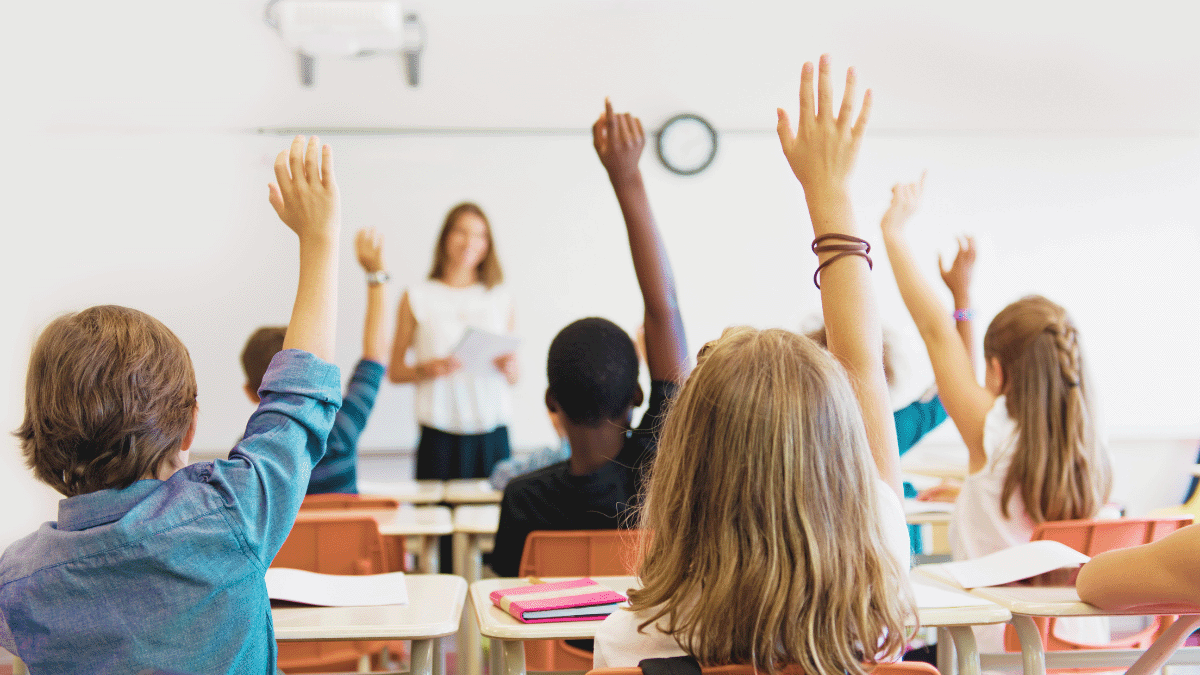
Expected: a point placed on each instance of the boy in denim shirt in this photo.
(153, 563)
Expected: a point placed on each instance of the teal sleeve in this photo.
(915, 420)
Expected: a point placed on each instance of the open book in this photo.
(336, 590)
(1011, 564)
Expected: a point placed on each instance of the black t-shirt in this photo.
(553, 499)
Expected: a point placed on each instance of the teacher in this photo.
(463, 415)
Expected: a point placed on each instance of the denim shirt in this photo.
(169, 574)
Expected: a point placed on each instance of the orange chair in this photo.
(335, 545)
(341, 501)
(900, 668)
(574, 553)
(1091, 537)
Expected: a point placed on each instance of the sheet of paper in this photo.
(1014, 564)
(478, 349)
(931, 597)
(336, 590)
(912, 506)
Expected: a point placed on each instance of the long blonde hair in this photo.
(1059, 467)
(767, 547)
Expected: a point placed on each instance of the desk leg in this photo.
(968, 651)
(513, 659)
(422, 657)
(945, 652)
(470, 648)
(1033, 653)
(439, 658)
(429, 554)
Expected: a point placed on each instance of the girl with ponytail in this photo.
(1030, 430)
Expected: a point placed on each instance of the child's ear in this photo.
(191, 432)
(251, 393)
(551, 404)
(638, 396)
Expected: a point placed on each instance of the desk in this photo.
(474, 527)
(1026, 602)
(471, 491)
(508, 634)
(435, 603)
(424, 524)
(409, 492)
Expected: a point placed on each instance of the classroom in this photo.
(1065, 138)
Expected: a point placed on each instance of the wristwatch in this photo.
(380, 277)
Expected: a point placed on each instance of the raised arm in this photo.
(1162, 573)
(619, 140)
(821, 153)
(368, 244)
(958, 280)
(306, 198)
(966, 402)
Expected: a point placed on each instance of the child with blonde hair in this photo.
(779, 539)
(1030, 430)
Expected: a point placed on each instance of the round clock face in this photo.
(687, 144)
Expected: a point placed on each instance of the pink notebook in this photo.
(574, 600)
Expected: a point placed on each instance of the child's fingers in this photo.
(326, 166)
(610, 120)
(784, 128)
(312, 172)
(824, 89)
(863, 115)
(296, 160)
(626, 129)
(275, 197)
(282, 177)
(847, 110)
(600, 133)
(641, 133)
(806, 92)
(941, 267)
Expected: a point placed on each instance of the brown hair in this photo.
(109, 396)
(488, 270)
(262, 346)
(1059, 467)
(765, 482)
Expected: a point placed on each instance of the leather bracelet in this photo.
(840, 237)
(843, 254)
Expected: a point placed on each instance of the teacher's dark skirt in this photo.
(442, 456)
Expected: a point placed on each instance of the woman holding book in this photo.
(463, 415)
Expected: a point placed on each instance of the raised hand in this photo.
(906, 199)
(368, 244)
(306, 195)
(824, 146)
(619, 140)
(958, 277)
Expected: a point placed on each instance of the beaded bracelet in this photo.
(964, 314)
(859, 247)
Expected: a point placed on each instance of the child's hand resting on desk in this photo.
(946, 491)
(306, 194)
(822, 150)
(368, 245)
(619, 140)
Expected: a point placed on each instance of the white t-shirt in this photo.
(977, 527)
(462, 403)
(620, 645)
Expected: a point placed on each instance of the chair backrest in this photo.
(1099, 535)
(899, 668)
(572, 553)
(350, 545)
(344, 501)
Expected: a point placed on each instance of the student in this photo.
(337, 472)
(779, 537)
(592, 370)
(153, 563)
(1030, 431)
(1161, 573)
(463, 415)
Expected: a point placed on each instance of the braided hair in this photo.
(1059, 467)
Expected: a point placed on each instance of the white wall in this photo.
(1070, 145)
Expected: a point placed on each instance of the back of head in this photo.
(1059, 467)
(262, 346)
(109, 396)
(592, 369)
(768, 547)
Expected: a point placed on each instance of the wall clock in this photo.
(687, 144)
